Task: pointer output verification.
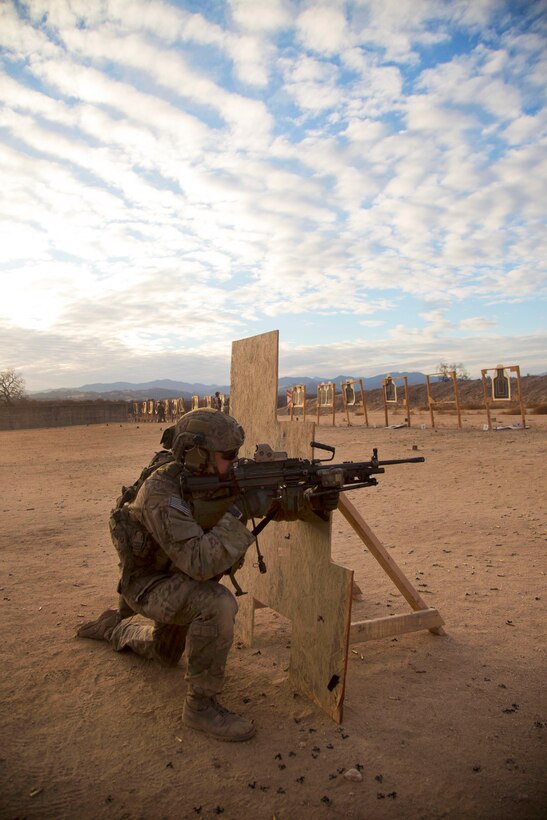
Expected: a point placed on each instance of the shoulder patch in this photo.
(179, 504)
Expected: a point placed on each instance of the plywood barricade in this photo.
(389, 385)
(176, 409)
(302, 582)
(326, 399)
(434, 403)
(298, 400)
(501, 389)
(349, 397)
(143, 411)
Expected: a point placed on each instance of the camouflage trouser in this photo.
(198, 614)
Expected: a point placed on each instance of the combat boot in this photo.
(207, 715)
(101, 629)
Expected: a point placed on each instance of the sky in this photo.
(368, 177)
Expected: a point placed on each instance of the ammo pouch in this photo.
(129, 539)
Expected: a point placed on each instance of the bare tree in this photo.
(12, 386)
(457, 367)
(461, 371)
(444, 369)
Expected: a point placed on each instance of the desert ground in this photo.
(436, 727)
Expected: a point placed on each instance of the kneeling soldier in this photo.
(174, 548)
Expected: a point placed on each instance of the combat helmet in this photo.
(200, 433)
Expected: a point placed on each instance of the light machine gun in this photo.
(289, 478)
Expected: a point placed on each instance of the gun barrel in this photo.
(414, 460)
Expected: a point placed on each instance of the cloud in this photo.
(50, 359)
(247, 118)
(475, 323)
(366, 357)
(525, 129)
(322, 28)
(262, 17)
(465, 82)
(175, 175)
(312, 84)
(20, 41)
(400, 27)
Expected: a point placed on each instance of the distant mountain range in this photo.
(127, 391)
(169, 389)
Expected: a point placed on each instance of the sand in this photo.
(448, 727)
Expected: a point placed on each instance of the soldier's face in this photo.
(224, 465)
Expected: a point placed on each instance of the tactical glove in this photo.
(255, 503)
(324, 503)
(297, 503)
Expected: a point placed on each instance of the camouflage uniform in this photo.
(187, 545)
(173, 551)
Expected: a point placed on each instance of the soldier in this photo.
(174, 548)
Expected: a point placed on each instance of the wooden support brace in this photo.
(390, 567)
(375, 628)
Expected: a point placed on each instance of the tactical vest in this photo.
(132, 540)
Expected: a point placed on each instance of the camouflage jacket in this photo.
(197, 536)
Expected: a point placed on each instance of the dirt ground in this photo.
(437, 727)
